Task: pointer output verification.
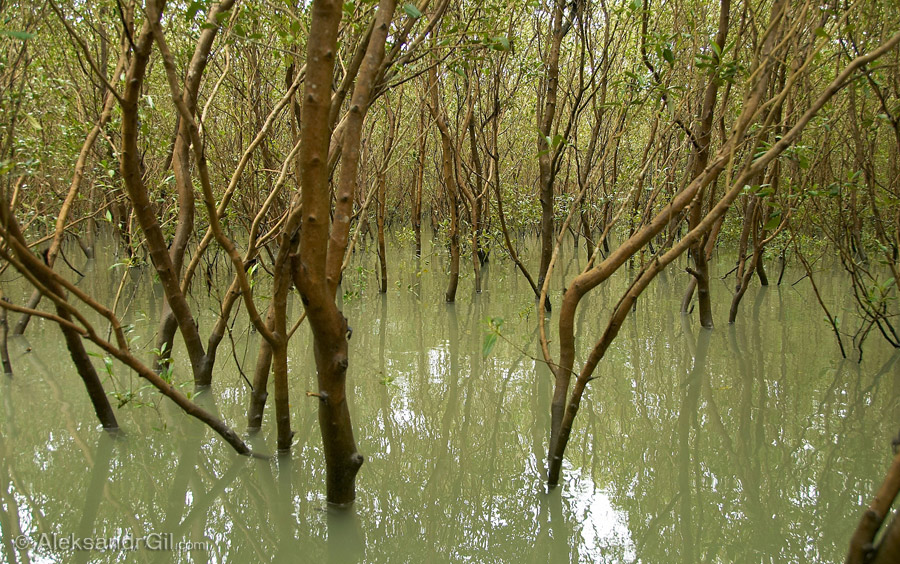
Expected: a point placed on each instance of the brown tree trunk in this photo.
(381, 181)
(181, 167)
(448, 173)
(260, 380)
(699, 158)
(888, 551)
(475, 203)
(563, 412)
(419, 183)
(4, 333)
(382, 260)
(547, 153)
(761, 272)
(316, 268)
(494, 153)
(861, 549)
(744, 273)
(708, 250)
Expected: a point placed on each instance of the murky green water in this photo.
(751, 443)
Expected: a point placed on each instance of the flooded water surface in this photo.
(747, 443)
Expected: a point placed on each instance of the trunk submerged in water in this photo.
(317, 264)
(699, 251)
(448, 176)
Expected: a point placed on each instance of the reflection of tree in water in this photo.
(746, 454)
(752, 439)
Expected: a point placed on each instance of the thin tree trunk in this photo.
(4, 333)
(546, 153)
(563, 412)
(449, 177)
(419, 183)
(382, 260)
(381, 180)
(699, 159)
(744, 273)
(494, 153)
(475, 204)
(181, 167)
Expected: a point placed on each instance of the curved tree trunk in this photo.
(181, 167)
(316, 268)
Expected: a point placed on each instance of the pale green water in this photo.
(764, 449)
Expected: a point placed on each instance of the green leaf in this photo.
(765, 190)
(501, 43)
(490, 340)
(668, 55)
(774, 222)
(412, 11)
(34, 122)
(23, 35)
(192, 10)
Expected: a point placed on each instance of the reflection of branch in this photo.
(812, 282)
(69, 264)
(552, 365)
(237, 362)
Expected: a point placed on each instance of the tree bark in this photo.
(699, 158)
(316, 268)
(563, 412)
(547, 154)
(4, 333)
(181, 163)
(448, 173)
